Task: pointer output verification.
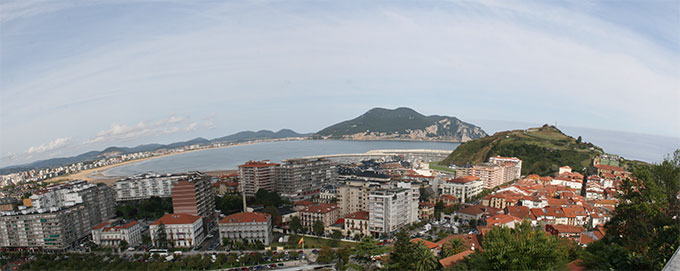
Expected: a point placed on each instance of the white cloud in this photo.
(53, 145)
(118, 132)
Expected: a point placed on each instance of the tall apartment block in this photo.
(511, 166)
(147, 185)
(390, 210)
(255, 175)
(195, 196)
(302, 179)
(59, 218)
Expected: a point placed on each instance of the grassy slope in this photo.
(542, 150)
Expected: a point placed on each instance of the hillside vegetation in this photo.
(542, 150)
(401, 124)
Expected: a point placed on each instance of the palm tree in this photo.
(426, 259)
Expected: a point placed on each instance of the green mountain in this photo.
(402, 124)
(542, 150)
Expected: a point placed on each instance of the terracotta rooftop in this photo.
(100, 226)
(428, 244)
(321, 208)
(303, 203)
(501, 219)
(454, 259)
(258, 164)
(566, 228)
(246, 217)
(169, 219)
(463, 180)
(363, 215)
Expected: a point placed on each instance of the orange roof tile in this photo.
(454, 259)
(169, 219)
(363, 215)
(246, 217)
(428, 244)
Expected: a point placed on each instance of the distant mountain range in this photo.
(376, 124)
(402, 124)
(115, 151)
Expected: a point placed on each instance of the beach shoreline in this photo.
(94, 175)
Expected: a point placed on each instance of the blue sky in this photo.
(84, 75)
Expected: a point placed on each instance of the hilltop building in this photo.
(462, 188)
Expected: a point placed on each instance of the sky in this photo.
(77, 76)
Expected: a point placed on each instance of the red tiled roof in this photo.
(258, 164)
(518, 211)
(454, 259)
(363, 215)
(169, 219)
(501, 219)
(462, 180)
(321, 208)
(448, 197)
(575, 265)
(428, 244)
(100, 226)
(246, 217)
(303, 203)
(567, 228)
(585, 239)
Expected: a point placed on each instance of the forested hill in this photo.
(542, 150)
(402, 124)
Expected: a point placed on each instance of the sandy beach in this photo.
(95, 175)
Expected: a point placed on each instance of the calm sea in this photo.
(231, 157)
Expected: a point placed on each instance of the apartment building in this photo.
(181, 230)
(511, 167)
(247, 225)
(147, 185)
(462, 188)
(328, 214)
(356, 224)
(353, 195)
(414, 196)
(302, 179)
(389, 210)
(109, 235)
(194, 196)
(255, 175)
(55, 229)
(490, 174)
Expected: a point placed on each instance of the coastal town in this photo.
(313, 203)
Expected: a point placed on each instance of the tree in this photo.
(123, 244)
(453, 247)
(403, 254)
(424, 259)
(343, 257)
(336, 235)
(438, 209)
(326, 255)
(318, 227)
(521, 248)
(295, 224)
(161, 236)
(579, 140)
(645, 228)
(274, 212)
(364, 252)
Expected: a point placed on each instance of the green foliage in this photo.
(425, 260)
(152, 208)
(453, 247)
(364, 252)
(266, 198)
(318, 227)
(274, 212)
(161, 236)
(407, 255)
(295, 224)
(645, 229)
(326, 255)
(229, 204)
(522, 248)
(542, 150)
